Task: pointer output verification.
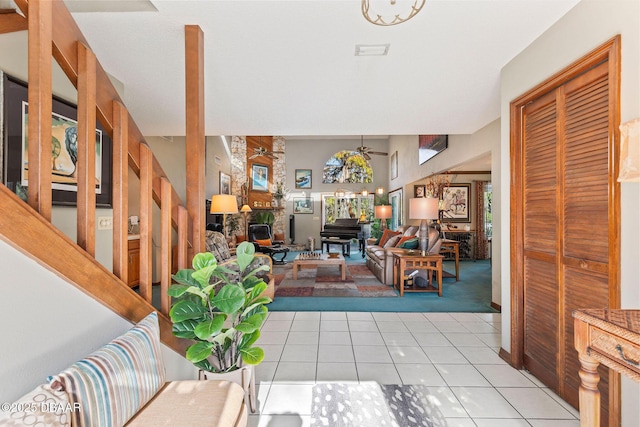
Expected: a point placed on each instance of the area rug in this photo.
(373, 404)
(325, 281)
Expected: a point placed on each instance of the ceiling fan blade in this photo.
(253, 156)
(278, 152)
(366, 156)
(379, 153)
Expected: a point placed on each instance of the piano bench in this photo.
(345, 243)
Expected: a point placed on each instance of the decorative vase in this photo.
(244, 376)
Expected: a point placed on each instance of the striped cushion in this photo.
(113, 383)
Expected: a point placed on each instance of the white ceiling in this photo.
(288, 67)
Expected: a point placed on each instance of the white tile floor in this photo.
(454, 354)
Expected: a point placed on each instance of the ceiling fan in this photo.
(261, 151)
(365, 151)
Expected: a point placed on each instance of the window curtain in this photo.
(482, 244)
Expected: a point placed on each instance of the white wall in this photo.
(585, 27)
(46, 324)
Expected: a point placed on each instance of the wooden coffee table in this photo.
(303, 261)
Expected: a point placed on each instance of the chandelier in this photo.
(390, 12)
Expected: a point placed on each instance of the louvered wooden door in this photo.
(566, 245)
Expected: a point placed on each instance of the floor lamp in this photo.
(423, 208)
(245, 209)
(224, 204)
(383, 212)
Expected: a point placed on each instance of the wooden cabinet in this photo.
(134, 262)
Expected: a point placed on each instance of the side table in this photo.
(451, 247)
(405, 262)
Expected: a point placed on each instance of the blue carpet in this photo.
(471, 294)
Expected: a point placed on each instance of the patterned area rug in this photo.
(372, 404)
(326, 282)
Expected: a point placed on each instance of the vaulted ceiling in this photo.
(289, 68)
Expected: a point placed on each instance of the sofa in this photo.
(216, 243)
(123, 383)
(379, 256)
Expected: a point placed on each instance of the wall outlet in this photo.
(105, 222)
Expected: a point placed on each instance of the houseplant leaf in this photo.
(185, 310)
(184, 277)
(199, 351)
(206, 329)
(252, 356)
(185, 329)
(249, 339)
(177, 290)
(203, 259)
(229, 300)
(203, 275)
(244, 255)
(250, 324)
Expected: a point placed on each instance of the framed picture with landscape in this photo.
(225, 183)
(302, 205)
(395, 200)
(64, 148)
(303, 178)
(455, 202)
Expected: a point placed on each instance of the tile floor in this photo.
(454, 354)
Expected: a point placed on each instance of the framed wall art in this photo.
(64, 148)
(394, 165)
(302, 205)
(430, 145)
(303, 178)
(225, 183)
(259, 177)
(455, 203)
(419, 190)
(395, 200)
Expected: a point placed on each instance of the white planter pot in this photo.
(244, 377)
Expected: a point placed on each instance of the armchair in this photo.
(260, 236)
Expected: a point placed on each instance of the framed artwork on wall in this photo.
(303, 178)
(430, 145)
(302, 205)
(394, 165)
(259, 177)
(419, 190)
(455, 202)
(225, 183)
(395, 200)
(64, 150)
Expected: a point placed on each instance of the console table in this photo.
(451, 247)
(466, 239)
(610, 337)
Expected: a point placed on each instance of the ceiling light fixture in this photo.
(390, 12)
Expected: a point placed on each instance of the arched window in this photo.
(347, 167)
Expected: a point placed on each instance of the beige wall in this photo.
(585, 27)
(461, 149)
(312, 153)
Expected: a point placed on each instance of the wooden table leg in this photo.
(439, 273)
(295, 271)
(343, 270)
(457, 263)
(589, 396)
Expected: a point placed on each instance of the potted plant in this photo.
(221, 308)
(264, 217)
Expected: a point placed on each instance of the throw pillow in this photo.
(387, 235)
(404, 239)
(113, 383)
(264, 242)
(42, 406)
(411, 243)
(393, 240)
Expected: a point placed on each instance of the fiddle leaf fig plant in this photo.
(220, 307)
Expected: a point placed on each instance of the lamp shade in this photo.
(224, 204)
(423, 208)
(245, 208)
(383, 211)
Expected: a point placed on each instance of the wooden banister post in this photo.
(40, 94)
(195, 138)
(165, 239)
(86, 145)
(120, 192)
(146, 222)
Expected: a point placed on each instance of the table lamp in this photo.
(245, 209)
(383, 212)
(224, 204)
(423, 208)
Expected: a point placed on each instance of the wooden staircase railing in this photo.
(28, 227)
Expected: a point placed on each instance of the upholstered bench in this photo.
(123, 383)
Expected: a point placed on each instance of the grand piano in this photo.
(347, 228)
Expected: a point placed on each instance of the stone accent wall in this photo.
(239, 175)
